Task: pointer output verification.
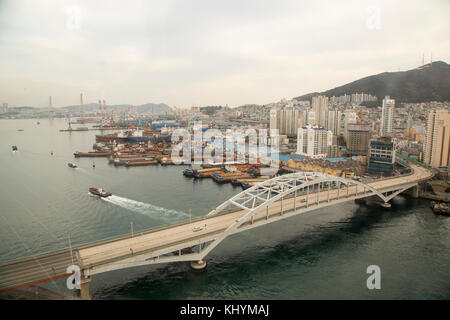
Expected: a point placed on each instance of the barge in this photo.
(92, 154)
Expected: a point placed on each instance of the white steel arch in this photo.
(275, 189)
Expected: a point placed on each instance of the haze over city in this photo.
(203, 53)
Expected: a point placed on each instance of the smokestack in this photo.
(104, 105)
(81, 99)
(50, 102)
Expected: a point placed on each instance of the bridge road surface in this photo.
(34, 270)
(17, 273)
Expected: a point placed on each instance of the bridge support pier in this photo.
(84, 288)
(199, 265)
(415, 192)
(385, 204)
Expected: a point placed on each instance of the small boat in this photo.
(440, 208)
(72, 165)
(14, 148)
(19, 129)
(99, 192)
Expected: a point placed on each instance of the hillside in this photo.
(430, 82)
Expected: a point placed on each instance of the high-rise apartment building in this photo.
(387, 116)
(437, 139)
(320, 108)
(290, 121)
(313, 141)
(334, 121)
(285, 119)
(275, 119)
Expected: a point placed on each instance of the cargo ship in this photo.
(92, 154)
(99, 192)
(109, 138)
(132, 136)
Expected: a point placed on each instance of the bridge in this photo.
(270, 201)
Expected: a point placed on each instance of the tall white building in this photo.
(313, 141)
(320, 108)
(387, 116)
(310, 117)
(334, 121)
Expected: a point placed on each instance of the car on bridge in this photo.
(197, 228)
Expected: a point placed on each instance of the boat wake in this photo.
(146, 208)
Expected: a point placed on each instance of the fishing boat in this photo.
(72, 165)
(99, 192)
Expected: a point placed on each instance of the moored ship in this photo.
(440, 208)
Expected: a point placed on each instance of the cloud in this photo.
(206, 52)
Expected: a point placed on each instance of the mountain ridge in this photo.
(430, 82)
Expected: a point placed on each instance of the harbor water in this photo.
(323, 254)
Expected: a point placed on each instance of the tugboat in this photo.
(72, 165)
(14, 148)
(99, 192)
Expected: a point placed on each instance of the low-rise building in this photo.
(382, 155)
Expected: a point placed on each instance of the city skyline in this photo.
(205, 54)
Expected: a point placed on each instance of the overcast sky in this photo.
(210, 52)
